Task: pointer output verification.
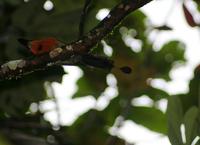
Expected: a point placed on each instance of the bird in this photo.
(45, 45)
(41, 46)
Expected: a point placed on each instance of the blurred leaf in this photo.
(173, 51)
(21, 138)
(92, 128)
(174, 117)
(194, 92)
(113, 110)
(139, 25)
(191, 124)
(164, 59)
(151, 118)
(93, 83)
(155, 94)
(198, 4)
(4, 141)
(91, 121)
(192, 97)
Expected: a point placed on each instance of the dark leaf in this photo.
(151, 118)
(191, 124)
(174, 117)
(93, 83)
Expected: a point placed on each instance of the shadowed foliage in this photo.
(20, 125)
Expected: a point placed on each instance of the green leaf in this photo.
(3, 140)
(156, 94)
(151, 118)
(163, 60)
(192, 97)
(92, 128)
(173, 49)
(174, 117)
(84, 88)
(92, 83)
(113, 110)
(198, 4)
(191, 124)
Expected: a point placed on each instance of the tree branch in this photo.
(85, 11)
(71, 52)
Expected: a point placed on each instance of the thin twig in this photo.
(86, 9)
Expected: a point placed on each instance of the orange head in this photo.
(45, 45)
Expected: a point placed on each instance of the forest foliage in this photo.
(18, 125)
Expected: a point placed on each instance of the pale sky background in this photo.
(157, 11)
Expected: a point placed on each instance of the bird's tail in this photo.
(23, 41)
(102, 62)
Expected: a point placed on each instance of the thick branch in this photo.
(71, 52)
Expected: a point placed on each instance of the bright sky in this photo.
(157, 11)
